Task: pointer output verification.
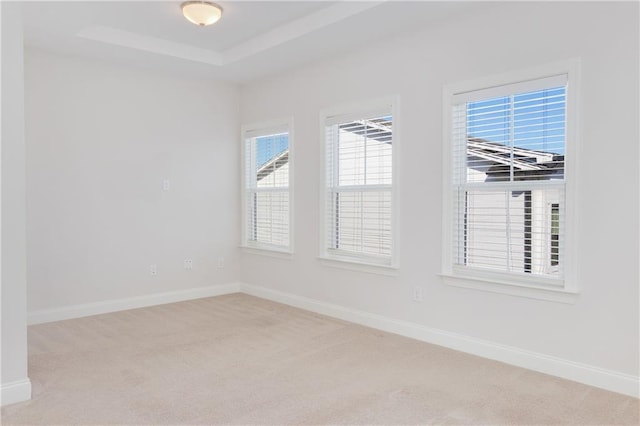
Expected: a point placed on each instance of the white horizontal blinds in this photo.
(267, 191)
(508, 177)
(359, 186)
(505, 230)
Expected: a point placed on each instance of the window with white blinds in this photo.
(508, 179)
(267, 196)
(359, 187)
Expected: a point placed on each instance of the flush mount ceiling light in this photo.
(201, 12)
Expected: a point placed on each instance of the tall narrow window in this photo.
(508, 180)
(359, 187)
(267, 196)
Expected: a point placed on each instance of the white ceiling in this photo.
(253, 38)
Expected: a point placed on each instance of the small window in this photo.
(359, 187)
(507, 182)
(267, 196)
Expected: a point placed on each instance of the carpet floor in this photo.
(237, 359)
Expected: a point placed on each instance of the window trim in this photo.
(505, 282)
(258, 129)
(354, 261)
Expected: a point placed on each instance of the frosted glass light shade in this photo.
(201, 12)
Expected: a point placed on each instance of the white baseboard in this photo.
(590, 375)
(13, 392)
(77, 311)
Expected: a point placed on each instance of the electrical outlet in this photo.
(221, 262)
(153, 269)
(188, 264)
(166, 185)
(417, 294)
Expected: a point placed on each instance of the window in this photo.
(267, 194)
(358, 197)
(507, 185)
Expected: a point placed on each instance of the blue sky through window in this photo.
(534, 120)
(269, 147)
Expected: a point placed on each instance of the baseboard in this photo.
(77, 311)
(590, 375)
(13, 392)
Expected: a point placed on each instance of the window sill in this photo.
(360, 266)
(559, 295)
(270, 252)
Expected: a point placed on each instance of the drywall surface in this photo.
(15, 384)
(601, 328)
(101, 142)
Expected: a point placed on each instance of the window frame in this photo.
(251, 131)
(525, 285)
(350, 260)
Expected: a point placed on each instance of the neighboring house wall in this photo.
(490, 233)
(271, 215)
(487, 231)
(271, 222)
(363, 163)
(369, 233)
(364, 222)
(278, 178)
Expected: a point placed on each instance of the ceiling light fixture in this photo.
(201, 12)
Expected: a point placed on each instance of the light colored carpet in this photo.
(238, 359)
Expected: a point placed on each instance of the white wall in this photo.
(13, 372)
(100, 142)
(601, 328)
